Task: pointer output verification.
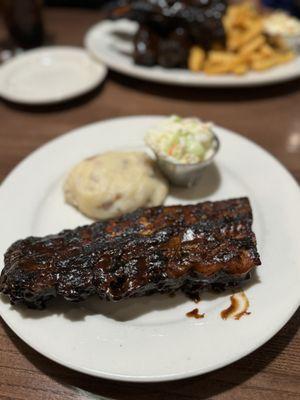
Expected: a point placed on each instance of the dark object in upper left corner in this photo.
(24, 22)
(78, 3)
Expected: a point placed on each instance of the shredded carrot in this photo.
(171, 149)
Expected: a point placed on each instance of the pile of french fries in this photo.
(247, 47)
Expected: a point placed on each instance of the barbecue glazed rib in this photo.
(160, 249)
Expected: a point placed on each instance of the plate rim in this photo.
(143, 73)
(101, 69)
(166, 377)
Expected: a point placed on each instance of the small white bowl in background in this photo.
(49, 75)
(293, 42)
(281, 25)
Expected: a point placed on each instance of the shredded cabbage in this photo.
(183, 140)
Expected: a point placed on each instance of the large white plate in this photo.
(49, 75)
(111, 43)
(151, 339)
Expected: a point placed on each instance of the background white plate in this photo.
(49, 75)
(151, 339)
(111, 42)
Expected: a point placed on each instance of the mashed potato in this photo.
(114, 183)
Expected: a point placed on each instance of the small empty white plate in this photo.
(49, 75)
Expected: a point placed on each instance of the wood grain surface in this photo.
(269, 116)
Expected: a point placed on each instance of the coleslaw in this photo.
(182, 140)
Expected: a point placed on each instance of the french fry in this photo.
(240, 39)
(266, 50)
(221, 57)
(216, 69)
(266, 63)
(255, 56)
(240, 69)
(196, 59)
(252, 46)
(219, 63)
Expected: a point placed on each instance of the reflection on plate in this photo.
(154, 333)
(111, 42)
(49, 75)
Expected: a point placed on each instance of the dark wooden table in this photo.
(269, 116)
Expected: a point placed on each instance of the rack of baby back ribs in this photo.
(169, 28)
(152, 250)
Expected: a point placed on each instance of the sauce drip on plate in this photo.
(195, 314)
(238, 307)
